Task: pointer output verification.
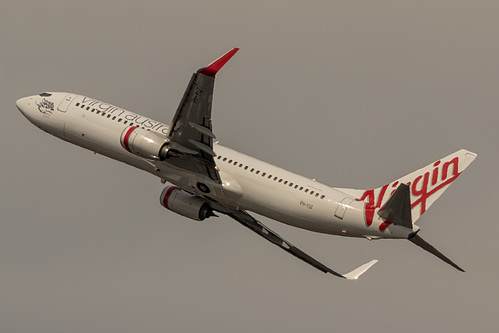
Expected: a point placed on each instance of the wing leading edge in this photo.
(253, 224)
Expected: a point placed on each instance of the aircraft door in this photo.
(342, 207)
(63, 106)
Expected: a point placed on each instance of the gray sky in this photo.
(353, 93)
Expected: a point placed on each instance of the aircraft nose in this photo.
(25, 105)
(21, 104)
(40, 110)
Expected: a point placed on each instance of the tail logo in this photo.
(423, 186)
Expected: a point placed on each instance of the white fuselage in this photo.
(247, 183)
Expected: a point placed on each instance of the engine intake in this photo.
(144, 143)
(185, 204)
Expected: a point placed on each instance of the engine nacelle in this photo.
(185, 204)
(144, 143)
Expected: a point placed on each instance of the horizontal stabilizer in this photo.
(427, 247)
(397, 209)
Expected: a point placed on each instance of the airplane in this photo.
(206, 178)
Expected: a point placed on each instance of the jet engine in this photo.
(185, 204)
(144, 143)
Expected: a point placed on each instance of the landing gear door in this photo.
(63, 106)
(342, 208)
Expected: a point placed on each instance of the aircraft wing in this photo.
(190, 134)
(251, 223)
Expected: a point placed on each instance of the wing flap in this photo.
(203, 147)
(202, 129)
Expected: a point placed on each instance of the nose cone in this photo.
(22, 104)
(41, 111)
(31, 107)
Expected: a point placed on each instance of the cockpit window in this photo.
(45, 94)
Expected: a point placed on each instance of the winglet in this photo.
(354, 275)
(213, 68)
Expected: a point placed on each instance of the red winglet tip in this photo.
(213, 68)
